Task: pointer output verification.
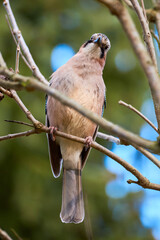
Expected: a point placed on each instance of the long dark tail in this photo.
(72, 210)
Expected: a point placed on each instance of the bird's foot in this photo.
(88, 141)
(52, 132)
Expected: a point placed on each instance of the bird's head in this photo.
(97, 46)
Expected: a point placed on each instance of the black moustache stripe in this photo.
(89, 41)
(102, 52)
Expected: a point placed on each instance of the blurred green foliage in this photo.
(30, 198)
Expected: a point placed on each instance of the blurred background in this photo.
(30, 198)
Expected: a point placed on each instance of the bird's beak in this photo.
(98, 41)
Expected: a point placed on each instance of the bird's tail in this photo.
(72, 210)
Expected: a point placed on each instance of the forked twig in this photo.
(14, 38)
(22, 43)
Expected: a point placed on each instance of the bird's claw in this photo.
(52, 132)
(88, 141)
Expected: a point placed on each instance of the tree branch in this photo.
(14, 38)
(128, 3)
(19, 122)
(158, 22)
(17, 135)
(148, 155)
(142, 181)
(146, 31)
(139, 113)
(4, 235)
(24, 109)
(144, 10)
(108, 138)
(32, 83)
(22, 43)
(6, 92)
(156, 38)
(117, 8)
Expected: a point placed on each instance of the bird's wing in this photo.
(54, 151)
(86, 150)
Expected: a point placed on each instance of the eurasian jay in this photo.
(80, 79)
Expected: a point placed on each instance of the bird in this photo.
(80, 79)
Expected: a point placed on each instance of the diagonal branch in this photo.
(4, 235)
(156, 38)
(148, 155)
(24, 108)
(22, 43)
(128, 3)
(139, 113)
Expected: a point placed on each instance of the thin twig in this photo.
(148, 155)
(17, 135)
(129, 4)
(14, 38)
(22, 43)
(6, 92)
(99, 134)
(16, 234)
(19, 122)
(17, 56)
(146, 31)
(4, 235)
(144, 10)
(139, 113)
(24, 108)
(156, 38)
(2, 62)
(108, 138)
(158, 22)
(1, 96)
